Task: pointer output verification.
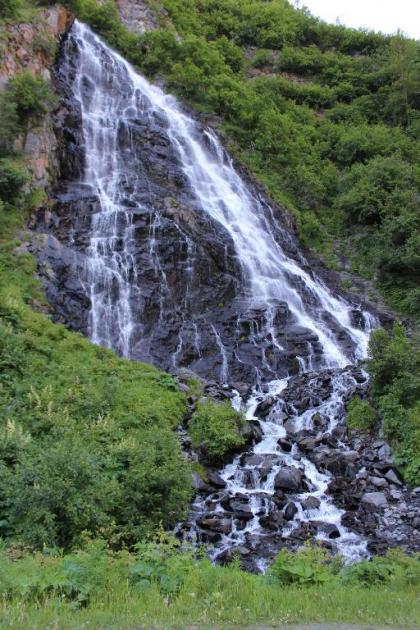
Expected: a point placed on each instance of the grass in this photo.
(208, 596)
(252, 605)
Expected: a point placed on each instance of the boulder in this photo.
(264, 407)
(216, 523)
(288, 479)
(215, 479)
(375, 500)
(273, 520)
(285, 444)
(198, 484)
(241, 511)
(290, 511)
(311, 503)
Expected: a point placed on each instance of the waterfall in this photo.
(114, 101)
(111, 95)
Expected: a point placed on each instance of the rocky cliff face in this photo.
(31, 47)
(186, 298)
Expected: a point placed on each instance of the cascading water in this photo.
(113, 101)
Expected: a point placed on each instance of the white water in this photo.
(111, 94)
(271, 276)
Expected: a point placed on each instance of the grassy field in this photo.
(152, 588)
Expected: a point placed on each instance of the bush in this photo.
(12, 178)
(9, 9)
(307, 566)
(394, 567)
(394, 365)
(360, 415)
(215, 429)
(31, 94)
(9, 123)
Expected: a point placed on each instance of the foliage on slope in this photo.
(87, 440)
(395, 368)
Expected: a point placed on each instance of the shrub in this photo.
(31, 94)
(394, 567)
(10, 8)
(9, 123)
(215, 429)
(394, 365)
(307, 566)
(12, 178)
(360, 414)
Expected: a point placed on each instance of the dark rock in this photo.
(279, 498)
(264, 407)
(290, 511)
(273, 520)
(285, 444)
(241, 510)
(216, 523)
(311, 503)
(329, 529)
(374, 500)
(198, 484)
(288, 479)
(215, 479)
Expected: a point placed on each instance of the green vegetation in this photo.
(87, 441)
(360, 415)
(31, 95)
(215, 430)
(159, 587)
(395, 368)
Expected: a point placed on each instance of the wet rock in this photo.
(308, 444)
(290, 511)
(285, 444)
(216, 523)
(252, 431)
(198, 484)
(264, 407)
(374, 499)
(210, 537)
(304, 531)
(241, 511)
(273, 520)
(288, 479)
(311, 503)
(215, 479)
(248, 479)
(279, 498)
(243, 389)
(328, 529)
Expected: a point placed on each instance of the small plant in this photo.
(45, 45)
(9, 9)
(360, 415)
(12, 178)
(215, 430)
(308, 566)
(31, 94)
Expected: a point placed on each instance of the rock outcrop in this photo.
(31, 47)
